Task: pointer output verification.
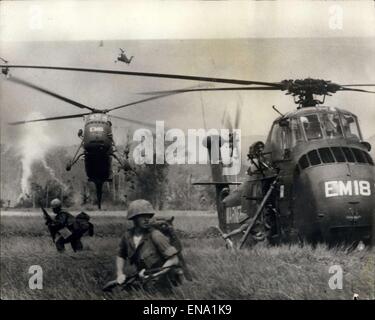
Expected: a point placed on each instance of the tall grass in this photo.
(285, 272)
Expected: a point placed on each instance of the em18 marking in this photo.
(347, 188)
(96, 129)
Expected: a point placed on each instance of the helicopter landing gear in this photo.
(75, 158)
(72, 162)
(124, 164)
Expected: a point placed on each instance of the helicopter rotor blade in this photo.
(357, 90)
(210, 89)
(138, 101)
(134, 121)
(149, 74)
(50, 93)
(49, 119)
(358, 85)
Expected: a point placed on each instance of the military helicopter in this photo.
(123, 57)
(313, 179)
(97, 145)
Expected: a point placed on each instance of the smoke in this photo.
(34, 145)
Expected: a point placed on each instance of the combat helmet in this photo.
(139, 207)
(55, 203)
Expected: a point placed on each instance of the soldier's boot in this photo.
(76, 245)
(60, 244)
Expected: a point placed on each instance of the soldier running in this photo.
(66, 228)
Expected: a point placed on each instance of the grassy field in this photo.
(286, 272)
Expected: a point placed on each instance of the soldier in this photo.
(63, 225)
(147, 248)
(253, 191)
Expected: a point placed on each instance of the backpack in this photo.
(165, 226)
(82, 224)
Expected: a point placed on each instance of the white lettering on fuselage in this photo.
(96, 129)
(347, 188)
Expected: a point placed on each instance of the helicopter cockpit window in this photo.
(281, 138)
(350, 126)
(332, 126)
(296, 132)
(311, 125)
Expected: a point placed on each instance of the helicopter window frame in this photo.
(314, 157)
(326, 155)
(358, 156)
(338, 154)
(348, 154)
(286, 141)
(339, 128)
(358, 133)
(317, 115)
(280, 137)
(304, 162)
(368, 158)
(297, 134)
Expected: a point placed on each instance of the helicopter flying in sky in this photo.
(312, 179)
(122, 57)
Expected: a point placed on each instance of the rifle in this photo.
(259, 211)
(133, 279)
(48, 221)
(229, 242)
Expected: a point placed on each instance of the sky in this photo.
(257, 41)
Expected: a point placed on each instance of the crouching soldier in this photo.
(148, 249)
(67, 228)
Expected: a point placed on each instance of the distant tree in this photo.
(38, 194)
(151, 183)
(2, 203)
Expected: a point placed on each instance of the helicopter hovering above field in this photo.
(313, 179)
(97, 145)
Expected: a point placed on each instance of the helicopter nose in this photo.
(338, 200)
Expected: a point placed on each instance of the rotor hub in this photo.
(305, 89)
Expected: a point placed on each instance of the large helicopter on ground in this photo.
(312, 179)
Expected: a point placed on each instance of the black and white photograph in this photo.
(187, 150)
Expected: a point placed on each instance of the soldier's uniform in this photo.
(64, 221)
(63, 228)
(148, 251)
(151, 252)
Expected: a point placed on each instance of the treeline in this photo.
(165, 186)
